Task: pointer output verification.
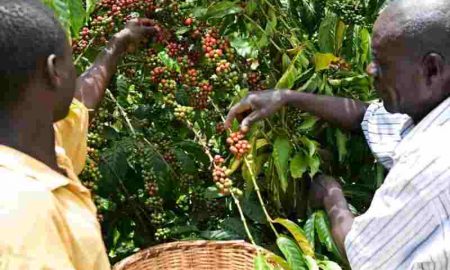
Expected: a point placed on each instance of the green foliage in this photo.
(155, 136)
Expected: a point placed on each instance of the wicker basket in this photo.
(187, 255)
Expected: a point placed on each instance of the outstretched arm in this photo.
(327, 193)
(342, 112)
(91, 85)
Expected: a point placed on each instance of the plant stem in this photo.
(261, 201)
(262, 30)
(244, 221)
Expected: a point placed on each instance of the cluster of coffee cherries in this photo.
(167, 86)
(340, 64)
(174, 49)
(220, 176)
(238, 145)
(183, 112)
(169, 156)
(190, 77)
(162, 234)
(157, 218)
(223, 67)
(158, 73)
(200, 98)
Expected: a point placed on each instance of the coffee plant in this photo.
(161, 165)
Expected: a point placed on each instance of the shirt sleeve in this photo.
(384, 131)
(71, 137)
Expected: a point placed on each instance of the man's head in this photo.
(411, 47)
(35, 58)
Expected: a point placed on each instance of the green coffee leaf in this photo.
(299, 165)
(292, 253)
(281, 153)
(298, 234)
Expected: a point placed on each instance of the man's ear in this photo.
(433, 66)
(52, 70)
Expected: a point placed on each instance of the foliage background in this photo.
(150, 169)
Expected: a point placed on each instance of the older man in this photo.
(407, 225)
(47, 218)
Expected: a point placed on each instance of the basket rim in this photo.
(153, 251)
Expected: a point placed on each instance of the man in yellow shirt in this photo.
(47, 218)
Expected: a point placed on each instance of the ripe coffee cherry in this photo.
(238, 146)
(188, 21)
(152, 188)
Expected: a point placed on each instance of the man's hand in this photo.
(259, 104)
(136, 32)
(322, 186)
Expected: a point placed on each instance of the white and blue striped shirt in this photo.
(408, 223)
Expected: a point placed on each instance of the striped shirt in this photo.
(408, 223)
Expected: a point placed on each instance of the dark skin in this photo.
(408, 82)
(27, 126)
(92, 84)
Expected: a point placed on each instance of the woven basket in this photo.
(188, 255)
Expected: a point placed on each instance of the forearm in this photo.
(92, 84)
(341, 218)
(341, 112)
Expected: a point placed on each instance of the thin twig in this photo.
(244, 221)
(261, 201)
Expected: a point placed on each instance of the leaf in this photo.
(324, 232)
(297, 232)
(299, 165)
(212, 193)
(329, 265)
(234, 225)
(222, 9)
(291, 74)
(219, 235)
(339, 39)
(260, 263)
(341, 143)
(243, 47)
(314, 165)
(327, 33)
(310, 145)
(261, 143)
(309, 229)
(291, 252)
(281, 152)
(62, 12)
(251, 7)
(254, 211)
(278, 260)
(323, 60)
(365, 46)
(77, 15)
(170, 63)
(90, 6)
(311, 263)
(285, 62)
(308, 123)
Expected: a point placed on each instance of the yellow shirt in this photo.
(71, 138)
(47, 220)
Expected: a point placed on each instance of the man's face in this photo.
(66, 84)
(392, 70)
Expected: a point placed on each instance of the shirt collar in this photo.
(31, 167)
(437, 117)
